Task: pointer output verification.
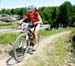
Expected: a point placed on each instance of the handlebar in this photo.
(25, 25)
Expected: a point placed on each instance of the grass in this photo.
(58, 53)
(7, 38)
(46, 33)
(53, 54)
(72, 37)
(9, 24)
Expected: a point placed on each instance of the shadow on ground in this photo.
(12, 57)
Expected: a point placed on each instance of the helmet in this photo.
(30, 8)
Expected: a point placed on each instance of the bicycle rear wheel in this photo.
(20, 47)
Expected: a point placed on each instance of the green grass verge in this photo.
(58, 52)
(46, 33)
(9, 24)
(7, 38)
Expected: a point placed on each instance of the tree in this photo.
(8, 11)
(0, 12)
(3, 11)
(22, 12)
(55, 16)
(12, 11)
(73, 17)
(65, 13)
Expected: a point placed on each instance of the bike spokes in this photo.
(20, 47)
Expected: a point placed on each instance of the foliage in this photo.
(63, 14)
(72, 32)
(66, 13)
(72, 49)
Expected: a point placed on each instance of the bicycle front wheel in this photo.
(20, 47)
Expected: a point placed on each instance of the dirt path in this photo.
(6, 59)
(7, 31)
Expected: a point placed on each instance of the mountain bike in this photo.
(23, 42)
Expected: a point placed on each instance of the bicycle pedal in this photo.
(31, 50)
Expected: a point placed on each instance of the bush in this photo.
(72, 37)
(72, 33)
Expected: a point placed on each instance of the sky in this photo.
(8, 4)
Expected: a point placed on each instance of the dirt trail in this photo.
(6, 59)
(7, 31)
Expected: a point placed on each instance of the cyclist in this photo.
(33, 15)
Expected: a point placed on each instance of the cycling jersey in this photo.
(34, 18)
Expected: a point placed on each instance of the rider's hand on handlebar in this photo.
(19, 22)
(41, 23)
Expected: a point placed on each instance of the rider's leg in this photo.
(36, 35)
(36, 31)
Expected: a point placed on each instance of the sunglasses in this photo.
(30, 11)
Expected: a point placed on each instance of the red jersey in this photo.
(33, 18)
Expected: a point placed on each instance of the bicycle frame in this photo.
(23, 42)
(29, 31)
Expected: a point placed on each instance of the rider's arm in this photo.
(20, 22)
(40, 20)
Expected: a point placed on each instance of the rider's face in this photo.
(31, 12)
